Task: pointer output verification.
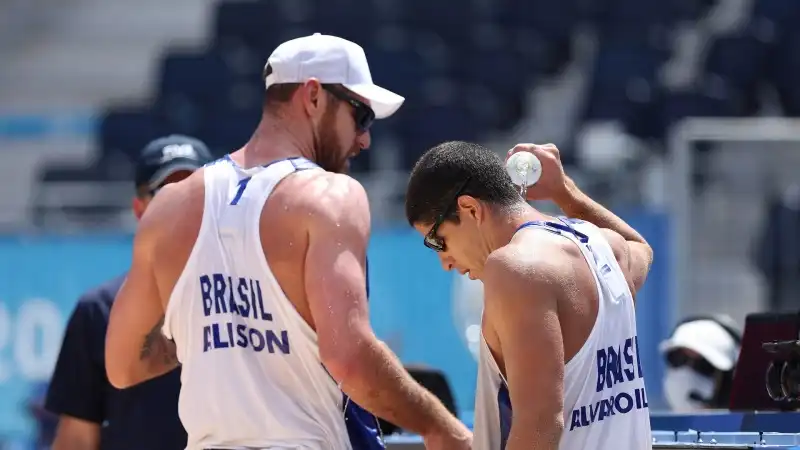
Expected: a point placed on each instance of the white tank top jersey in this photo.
(605, 404)
(251, 371)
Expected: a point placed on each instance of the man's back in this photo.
(604, 401)
(310, 242)
(252, 373)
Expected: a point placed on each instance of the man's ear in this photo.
(313, 98)
(138, 205)
(469, 206)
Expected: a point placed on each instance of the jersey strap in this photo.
(301, 163)
(562, 226)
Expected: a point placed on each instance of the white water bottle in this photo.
(525, 169)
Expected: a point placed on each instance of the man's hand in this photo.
(633, 252)
(553, 183)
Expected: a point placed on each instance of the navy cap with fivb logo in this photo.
(167, 155)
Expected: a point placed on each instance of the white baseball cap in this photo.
(709, 339)
(331, 60)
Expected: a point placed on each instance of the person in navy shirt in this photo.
(93, 414)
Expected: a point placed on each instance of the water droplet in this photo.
(291, 244)
(286, 207)
(339, 244)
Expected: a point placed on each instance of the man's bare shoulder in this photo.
(518, 286)
(325, 198)
(519, 271)
(172, 204)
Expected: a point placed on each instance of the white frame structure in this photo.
(680, 140)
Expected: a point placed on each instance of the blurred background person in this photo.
(93, 414)
(701, 356)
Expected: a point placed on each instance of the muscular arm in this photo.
(136, 350)
(76, 434)
(633, 252)
(521, 298)
(336, 287)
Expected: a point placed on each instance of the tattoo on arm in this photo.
(157, 347)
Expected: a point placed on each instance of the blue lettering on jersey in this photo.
(236, 297)
(615, 365)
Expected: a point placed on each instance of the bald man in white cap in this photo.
(251, 274)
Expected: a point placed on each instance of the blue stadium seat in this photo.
(429, 125)
(253, 23)
(534, 52)
(689, 10)
(702, 103)
(627, 19)
(554, 19)
(127, 130)
(499, 72)
(538, 32)
(201, 78)
(401, 71)
(447, 18)
(774, 22)
(783, 14)
(244, 62)
(225, 131)
(90, 214)
(349, 19)
(785, 73)
(619, 70)
(489, 110)
(67, 173)
(643, 118)
(741, 60)
(246, 96)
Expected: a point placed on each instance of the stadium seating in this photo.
(465, 66)
(413, 46)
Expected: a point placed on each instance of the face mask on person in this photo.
(686, 390)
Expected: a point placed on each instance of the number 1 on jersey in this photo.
(242, 184)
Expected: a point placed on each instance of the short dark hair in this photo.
(277, 94)
(441, 169)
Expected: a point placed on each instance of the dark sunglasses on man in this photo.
(678, 358)
(363, 115)
(432, 240)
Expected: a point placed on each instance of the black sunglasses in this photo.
(677, 358)
(362, 113)
(432, 240)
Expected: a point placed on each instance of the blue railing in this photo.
(43, 126)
